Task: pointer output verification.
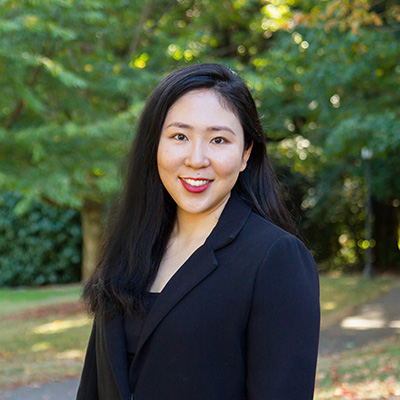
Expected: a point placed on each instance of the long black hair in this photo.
(142, 219)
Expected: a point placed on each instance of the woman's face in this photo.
(201, 152)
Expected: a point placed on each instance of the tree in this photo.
(337, 74)
(75, 75)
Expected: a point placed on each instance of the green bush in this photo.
(39, 247)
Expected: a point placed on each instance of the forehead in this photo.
(201, 105)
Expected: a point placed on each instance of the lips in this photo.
(195, 185)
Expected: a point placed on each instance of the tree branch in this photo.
(134, 46)
(20, 104)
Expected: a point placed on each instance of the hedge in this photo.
(41, 246)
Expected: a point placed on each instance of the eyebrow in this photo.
(215, 128)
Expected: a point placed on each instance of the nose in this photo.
(197, 156)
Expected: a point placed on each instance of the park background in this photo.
(74, 76)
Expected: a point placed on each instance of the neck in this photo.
(194, 227)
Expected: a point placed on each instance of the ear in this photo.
(245, 157)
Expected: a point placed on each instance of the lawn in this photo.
(42, 349)
(16, 300)
(372, 372)
(49, 345)
(36, 347)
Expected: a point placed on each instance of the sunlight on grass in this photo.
(41, 346)
(329, 305)
(37, 349)
(60, 326)
(71, 355)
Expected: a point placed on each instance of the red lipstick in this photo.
(195, 189)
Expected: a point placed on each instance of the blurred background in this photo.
(74, 76)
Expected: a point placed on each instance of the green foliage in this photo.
(74, 75)
(337, 96)
(39, 247)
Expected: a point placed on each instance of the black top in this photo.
(133, 327)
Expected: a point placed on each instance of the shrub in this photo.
(39, 247)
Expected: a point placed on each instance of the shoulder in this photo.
(250, 238)
(276, 249)
(259, 223)
(263, 234)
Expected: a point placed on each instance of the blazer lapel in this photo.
(199, 265)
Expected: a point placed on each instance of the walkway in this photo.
(65, 390)
(368, 323)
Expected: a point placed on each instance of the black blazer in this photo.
(239, 320)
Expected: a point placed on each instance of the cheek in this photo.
(163, 155)
(168, 160)
(228, 165)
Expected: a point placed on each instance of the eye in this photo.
(180, 137)
(218, 140)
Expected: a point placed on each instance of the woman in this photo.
(201, 293)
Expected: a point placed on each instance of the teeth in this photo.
(193, 182)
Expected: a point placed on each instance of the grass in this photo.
(43, 349)
(36, 349)
(21, 299)
(49, 347)
(372, 372)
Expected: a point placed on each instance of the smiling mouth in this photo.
(195, 185)
(196, 182)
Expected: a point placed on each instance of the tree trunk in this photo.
(385, 233)
(92, 230)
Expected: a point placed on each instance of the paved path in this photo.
(65, 390)
(368, 323)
